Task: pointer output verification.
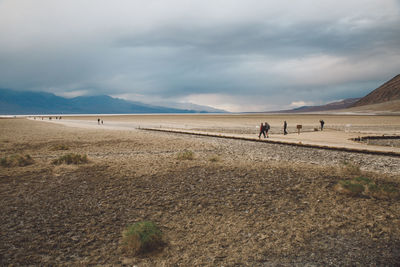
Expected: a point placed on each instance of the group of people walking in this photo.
(265, 127)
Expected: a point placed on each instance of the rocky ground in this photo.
(384, 142)
(236, 203)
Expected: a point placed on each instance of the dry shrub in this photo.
(185, 155)
(215, 159)
(71, 159)
(142, 237)
(16, 160)
(350, 187)
(350, 168)
(60, 147)
(366, 187)
(384, 191)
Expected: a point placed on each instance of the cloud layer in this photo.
(238, 55)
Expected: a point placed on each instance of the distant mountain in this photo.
(19, 103)
(330, 106)
(388, 91)
(189, 106)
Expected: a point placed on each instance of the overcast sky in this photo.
(249, 55)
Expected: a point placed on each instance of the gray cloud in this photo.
(235, 55)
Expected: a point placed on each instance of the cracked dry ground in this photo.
(239, 210)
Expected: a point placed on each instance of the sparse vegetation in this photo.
(186, 155)
(142, 237)
(71, 159)
(350, 168)
(16, 160)
(60, 147)
(215, 159)
(350, 187)
(367, 187)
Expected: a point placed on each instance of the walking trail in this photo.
(327, 139)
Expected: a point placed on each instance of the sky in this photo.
(249, 55)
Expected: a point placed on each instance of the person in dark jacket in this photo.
(262, 130)
(267, 127)
(285, 128)
(322, 124)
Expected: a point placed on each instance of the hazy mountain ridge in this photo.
(385, 98)
(24, 102)
(337, 105)
(388, 91)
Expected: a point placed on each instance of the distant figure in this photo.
(60, 118)
(322, 124)
(262, 131)
(267, 127)
(285, 128)
(101, 122)
(98, 121)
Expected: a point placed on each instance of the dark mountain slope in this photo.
(388, 91)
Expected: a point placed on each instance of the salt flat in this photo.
(235, 203)
(339, 129)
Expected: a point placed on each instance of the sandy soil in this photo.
(257, 205)
(339, 131)
(249, 123)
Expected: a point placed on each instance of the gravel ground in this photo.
(265, 152)
(255, 204)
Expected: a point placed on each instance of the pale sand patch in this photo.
(339, 129)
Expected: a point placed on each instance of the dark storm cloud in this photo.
(234, 55)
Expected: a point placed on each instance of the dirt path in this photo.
(329, 137)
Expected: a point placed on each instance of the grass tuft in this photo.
(71, 159)
(351, 187)
(16, 160)
(350, 168)
(185, 155)
(362, 186)
(215, 159)
(60, 147)
(142, 237)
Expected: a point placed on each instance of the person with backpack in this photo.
(262, 131)
(267, 127)
(322, 124)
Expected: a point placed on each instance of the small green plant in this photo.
(363, 180)
(351, 187)
(3, 162)
(60, 147)
(367, 187)
(71, 159)
(185, 155)
(350, 168)
(142, 237)
(16, 160)
(215, 159)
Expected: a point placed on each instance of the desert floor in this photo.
(236, 203)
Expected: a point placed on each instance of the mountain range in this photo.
(21, 103)
(385, 98)
(389, 91)
(330, 106)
